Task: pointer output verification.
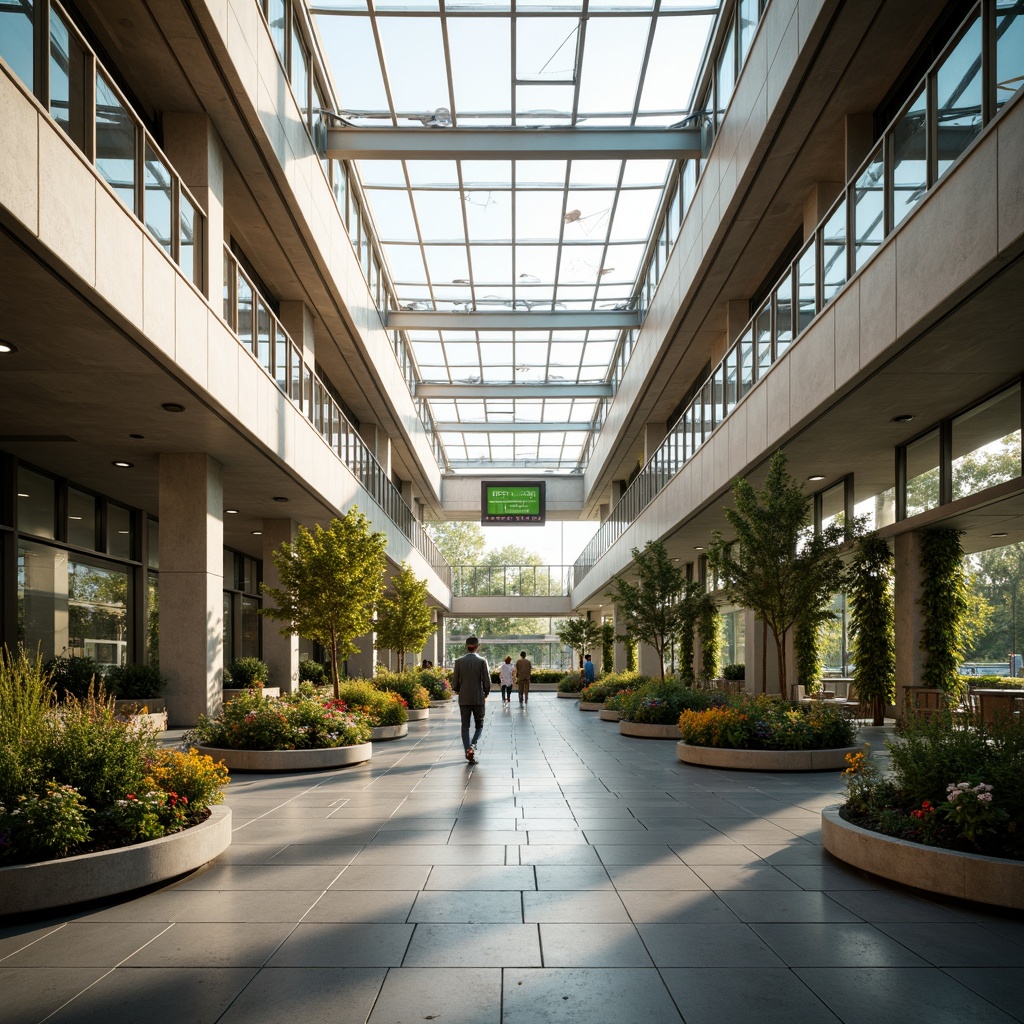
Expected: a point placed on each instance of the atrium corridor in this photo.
(573, 875)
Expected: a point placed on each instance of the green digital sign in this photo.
(512, 504)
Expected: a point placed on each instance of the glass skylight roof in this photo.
(501, 235)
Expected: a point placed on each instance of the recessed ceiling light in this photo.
(998, 535)
(231, 511)
(698, 547)
(6, 348)
(257, 533)
(675, 559)
(138, 437)
(280, 498)
(817, 476)
(123, 531)
(172, 407)
(123, 465)
(74, 517)
(22, 494)
(905, 417)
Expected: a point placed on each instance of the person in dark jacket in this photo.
(471, 680)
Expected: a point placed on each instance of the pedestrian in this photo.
(471, 680)
(588, 670)
(523, 670)
(507, 676)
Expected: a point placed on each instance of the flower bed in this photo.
(660, 703)
(740, 722)
(407, 685)
(611, 682)
(568, 684)
(435, 681)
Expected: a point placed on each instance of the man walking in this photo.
(471, 680)
(523, 669)
(588, 670)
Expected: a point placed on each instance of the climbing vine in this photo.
(944, 602)
(873, 624)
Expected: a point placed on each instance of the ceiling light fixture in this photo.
(138, 437)
(231, 511)
(6, 348)
(998, 535)
(257, 533)
(172, 407)
(280, 498)
(816, 476)
(22, 494)
(905, 417)
(121, 464)
(698, 547)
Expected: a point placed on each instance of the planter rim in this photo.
(290, 760)
(608, 715)
(827, 759)
(649, 730)
(591, 705)
(45, 885)
(569, 694)
(996, 881)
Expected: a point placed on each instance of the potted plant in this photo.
(136, 690)
(248, 674)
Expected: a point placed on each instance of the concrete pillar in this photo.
(737, 316)
(281, 653)
(619, 621)
(860, 137)
(364, 664)
(193, 146)
(819, 200)
(46, 602)
(297, 319)
(441, 649)
(909, 615)
(429, 652)
(648, 661)
(191, 585)
(654, 434)
(379, 443)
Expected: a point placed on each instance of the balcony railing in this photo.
(260, 332)
(511, 580)
(963, 90)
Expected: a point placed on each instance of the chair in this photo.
(925, 702)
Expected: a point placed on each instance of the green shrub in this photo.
(569, 683)
(736, 671)
(406, 684)
(192, 775)
(436, 682)
(41, 826)
(377, 706)
(312, 672)
(660, 703)
(26, 697)
(248, 673)
(134, 682)
(72, 675)
(993, 682)
(608, 684)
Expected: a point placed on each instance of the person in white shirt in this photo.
(507, 675)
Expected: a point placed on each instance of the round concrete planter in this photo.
(90, 876)
(441, 703)
(767, 760)
(649, 732)
(607, 715)
(591, 705)
(389, 732)
(419, 714)
(575, 695)
(543, 687)
(289, 760)
(154, 715)
(968, 876)
(267, 691)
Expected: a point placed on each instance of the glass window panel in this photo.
(158, 185)
(153, 558)
(189, 225)
(229, 629)
(726, 78)
(264, 336)
(807, 277)
(81, 519)
(414, 54)
(249, 646)
(115, 142)
(878, 510)
(986, 444)
(339, 184)
(36, 503)
(153, 619)
(97, 610)
(958, 92)
(783, 315)
(612, 60)
(1009, 49)
(833, 505)
(707, 409)
(634, 214)
(245, 301)
(675, 59)
(16, 39)
(833, 253)
(481, 66)
(119, 531)
(923, 474)
(546, 49)
(281, 350)
(748, 18)
(731, 379)
(393, 215)
(67, 77)
(42, 598)
(300, 70)
(869, 208)
(763, 337)
(277, 13)
(718, 394)
(746, 356)
(910, 158)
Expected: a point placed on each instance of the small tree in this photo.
(581, 634)
(651, 606)
(631, 658)
(331, 581)
(709, 628)
(873, 624)
(607, 647)
(780, 569)
(807, 645)
(403, 621)
(698, 617)
(944, 602)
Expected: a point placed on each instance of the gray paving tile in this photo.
(1002, 986)
(334, 854)
(85, 944)
(466, 877)
(706, 945)
(592, 945)
(828, 876)
(212, 944)
(579, 876)
(660, 876)
(582, 907)
(31, 995)
(230, 905)
(562, 854)
(318, 995)
(157, 996)
(595, 995)
(707, 853)
(555, 837)
(835, 944)
(676, 906)
(344, 945)
(474, 945)
(443, 854)
(471, 907)
(449, 995)
(724, 994)
(898, 995)
(785, 906)
(379, 876)
(739, 876)
(641, 855)
(370, 905)
(17, 936)
(883, 906)
(263, 877)
(791, 853)
(957, 945)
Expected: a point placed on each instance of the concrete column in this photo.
(297, 319)
(909, 615)
(379, 443)
(46, 602)
(860, 137)
(363, 664)
(194, 147)
(281, 653)
(619, 621)
(654, 434)
(429, 652)
(821, 197)
(191, 585)
(441, 648)
(648, 662)
(737, 316)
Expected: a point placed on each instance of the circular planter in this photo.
(389, 732)
(289, 760)
(968, 876)
(591, 705)
(419, 714)
(90, 876)
(575, 695)
(441, 703)
(767, 760)
(649, 732)
(543, 687)
(607, 715)
(267, 691)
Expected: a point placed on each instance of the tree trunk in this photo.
(878, 711)
(764, 656)
(334, 667)
(780, 648)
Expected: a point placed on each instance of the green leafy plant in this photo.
(72, 675)
(248, 673)
(404, 617)
(569, 683)
(435, 680)
(660, 702)
(377, 706)
(734, 671)
(603, 688)
(134, 682)
(39, 826)
(26, 697)
(631, 653)
(607, 646)
(311, 671)
(873, 624)
(407, 685)
(709, 629)
(944, 604)
(580, 634)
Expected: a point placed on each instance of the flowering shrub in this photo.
(46, 824)
(252, 722)
(407, 685)
(378, 707)
(660, 703)
(435, 680)
(982, 811)
(150, 814)
(741, 722)
(609, 683)
(569, 683)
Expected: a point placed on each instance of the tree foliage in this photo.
(998, 581)
(331, 581)
(873, 624)
(403, 617)
(945, 606)
(651, 606)
(775, 565)
(580, 633)
(459, 543)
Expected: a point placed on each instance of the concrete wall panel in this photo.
(67, 202)
(846, 312)
(158, 280)
(118, 255)
(878, 305)
(813, 370)
(1010, 169)
(19, 153)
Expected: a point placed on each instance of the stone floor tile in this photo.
(1001, 986)
(474, 945)
(661, 876)
(212, 944)
(487, 878)
(738, 876)
(417, 854)
(706, 945)
(707, 854)
(791, 853)
(676, 906)
(263, 877)
(31, 995)
(592, 945)
(579, 876)
(642, 855)
(382, 876)
(583, 907)
(470, 907)
(957, 945)
(891, 906)
(86, 944)
(312, 995)
(561, 854)
(828, 876)
(448, 995)
(369, 905)
(344, 945)
(752, 905)
(835, 944)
